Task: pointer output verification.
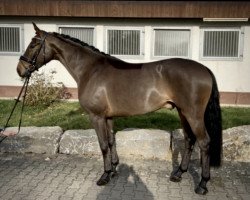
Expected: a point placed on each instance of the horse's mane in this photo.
(84, 44)
(117, 63)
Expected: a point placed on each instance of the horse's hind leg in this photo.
(189, 145)
(112, 145)
(198, 126)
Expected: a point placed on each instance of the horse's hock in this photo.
(143, 143)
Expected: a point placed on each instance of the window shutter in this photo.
(171, 42)
(124, 42)
(10, 39)
(221, 43)
(81, 33)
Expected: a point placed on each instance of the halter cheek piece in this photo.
(32, 62)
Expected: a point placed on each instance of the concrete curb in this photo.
(144, 143)
(33, 140)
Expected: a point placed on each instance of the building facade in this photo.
(216, 34)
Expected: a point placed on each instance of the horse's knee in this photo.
(189, 142)
(204, 143)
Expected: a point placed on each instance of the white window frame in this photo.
(21, 39)
(174, 29)
(142, 36)
(240, 43)
(79, 26)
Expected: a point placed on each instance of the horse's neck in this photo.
(72, 57)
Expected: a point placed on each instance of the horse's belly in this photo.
(136, 104)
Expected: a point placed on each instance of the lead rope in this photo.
(23, 90)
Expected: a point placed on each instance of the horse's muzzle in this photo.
(21, 70)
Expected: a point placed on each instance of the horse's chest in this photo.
(94, 100)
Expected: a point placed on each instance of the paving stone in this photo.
(61, 182)
(126, 197)
(245, 196)
(55, 196)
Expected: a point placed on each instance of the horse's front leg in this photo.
(112, 145)
(100, 125)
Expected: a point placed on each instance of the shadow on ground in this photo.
(126, 185)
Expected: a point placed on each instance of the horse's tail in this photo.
(213, 124)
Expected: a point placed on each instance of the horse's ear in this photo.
(36, 28)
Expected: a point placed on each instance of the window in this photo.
(221, 43)
(85, 34)
(124, 42)
(10, 39)
(171, 42)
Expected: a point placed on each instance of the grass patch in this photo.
(233, 116)
(69, 115)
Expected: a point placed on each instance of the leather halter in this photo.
(32, 62)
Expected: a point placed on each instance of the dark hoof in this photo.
(175, 178)
(105, 178)
(200, 190)
(176, 175)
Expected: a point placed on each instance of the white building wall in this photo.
(232, 76)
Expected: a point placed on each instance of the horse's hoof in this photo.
(200, 190)
(105, 178)
(175, 178)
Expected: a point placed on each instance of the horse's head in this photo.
(36, 54)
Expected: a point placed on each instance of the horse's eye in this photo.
(34, 44)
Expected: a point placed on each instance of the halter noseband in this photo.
(32, 62)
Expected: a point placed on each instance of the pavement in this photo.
(73, 177)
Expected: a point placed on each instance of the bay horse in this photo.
(109, 87)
